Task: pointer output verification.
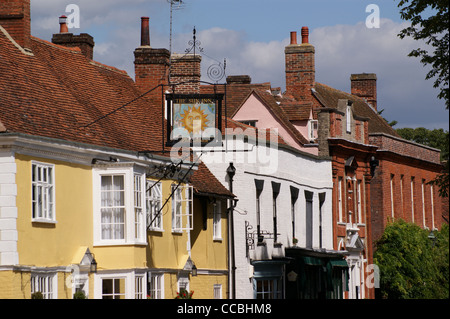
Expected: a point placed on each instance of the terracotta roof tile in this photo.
(58, 93)
(329, 97)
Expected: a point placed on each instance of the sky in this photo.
(252, 34)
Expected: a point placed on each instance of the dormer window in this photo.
(349, 117)
(313, 126)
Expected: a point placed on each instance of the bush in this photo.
(413, 266)
(37, 295)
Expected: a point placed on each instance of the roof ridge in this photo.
(108, 67)
(58, 46)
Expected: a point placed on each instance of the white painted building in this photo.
(283, 193)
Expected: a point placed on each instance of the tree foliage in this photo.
(437, 138)
(413, 266)
(433, 29)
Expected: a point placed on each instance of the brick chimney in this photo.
(364, 85)
(83, 41)
(15, 19)
(300, 67)
(185, 69)
(151, 65)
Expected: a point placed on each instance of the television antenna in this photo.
(174, 5)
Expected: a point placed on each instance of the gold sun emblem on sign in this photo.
(194, 120)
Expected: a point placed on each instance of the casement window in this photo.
(217, 291)
(349, 119)
(340, 200)
(183, 283)
(118, 205)
(392, 195)
(217, 220)
(156, 286)
(139, 287)
(112, 207)
(46, 284)
(423, 203)
(268, 289)
(124, 285)
(432, 207)
(313, 126)
(182, 210)
(139, 229)
(412, 199)
(113, 288)
(359, 206)
(42, 192)
(154, 203)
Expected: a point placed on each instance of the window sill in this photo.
(44, 221)
(218, 239)
(119, 243)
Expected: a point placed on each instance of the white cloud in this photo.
(340, 51)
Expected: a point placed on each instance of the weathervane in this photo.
(216, 71)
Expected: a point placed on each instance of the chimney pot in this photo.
(293, 37)
(305, 35)
(63, 25)
(145, 31)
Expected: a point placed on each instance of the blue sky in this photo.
(252, 34)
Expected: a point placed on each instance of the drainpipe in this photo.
(231, 171)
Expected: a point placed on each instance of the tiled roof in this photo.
(329, 97)
(271, 102)
(57, 92)
(204, 182)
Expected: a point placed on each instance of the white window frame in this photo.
(156, 285)
(349, 119)
(423, 204)
(182, 209)
(45, 202)
(313, 126)
(432, 207)
(392, 196)
(412, 198)
(217, 291)
(139, 207)
(217, 220)
(183, 282)
(129, 277)
(139, 287)
(129, 172)
(46, 283)
(154, 203)
(359, 201)
(340, 209)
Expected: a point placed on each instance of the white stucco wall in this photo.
(289, 168)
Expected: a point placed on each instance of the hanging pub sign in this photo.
(194, 117)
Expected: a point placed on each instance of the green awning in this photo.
(312, 261)
(338, 263)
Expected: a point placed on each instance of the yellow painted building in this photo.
(86, 204)
(63, 206)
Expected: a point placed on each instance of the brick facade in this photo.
(400, 186)
(15, 18)
(365, 86)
